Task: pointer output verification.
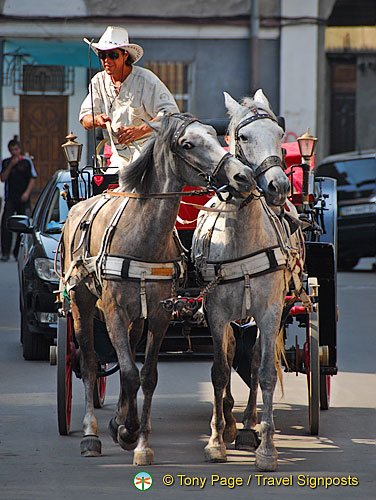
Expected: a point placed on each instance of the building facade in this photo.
(199, 49)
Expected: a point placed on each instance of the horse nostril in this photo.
(244, 179)
(240, 178)
(273, 188)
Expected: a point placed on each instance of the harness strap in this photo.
(220, 164)
(144, 306)
(247, 295)
(116, 268)
(84, 225)
(266, 259)
(107, 238)
(269, 162)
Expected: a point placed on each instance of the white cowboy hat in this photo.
(117, 38)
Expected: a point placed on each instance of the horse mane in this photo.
(135, 175)
(138, 174)
(247, 103)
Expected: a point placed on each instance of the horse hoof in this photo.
(247, 439)
(215, 453)
(91, 446)
(266, 463)
(229, 434)
(143, 457)
(113, 428)
(126, 439)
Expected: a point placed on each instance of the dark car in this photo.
(37, 278)
(355, 173)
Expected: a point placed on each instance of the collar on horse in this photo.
(270, 161)
(187, 120)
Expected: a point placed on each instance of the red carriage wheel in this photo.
(65, 361)
(99, 392)
(324, 392)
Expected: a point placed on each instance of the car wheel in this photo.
(34, 346)
(347, 263)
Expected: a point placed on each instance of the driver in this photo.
(123, 95)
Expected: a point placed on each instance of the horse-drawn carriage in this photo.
(312, 303)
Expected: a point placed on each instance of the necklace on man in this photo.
(116, 90)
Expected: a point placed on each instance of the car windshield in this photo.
(358, 172)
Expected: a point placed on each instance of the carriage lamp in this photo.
(72, 150)
(307, 143)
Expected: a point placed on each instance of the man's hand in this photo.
(126, 135)
(99, 121)
(25, 197)
(13, 161)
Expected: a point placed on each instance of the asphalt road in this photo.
(35, 462)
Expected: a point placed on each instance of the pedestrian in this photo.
(19, 175)
(124, 95)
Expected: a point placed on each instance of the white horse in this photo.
(249, 259)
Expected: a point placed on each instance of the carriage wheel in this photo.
(314, 364)
(99, 392)
(65, 360)
(324, 392)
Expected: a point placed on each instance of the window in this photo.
(177, 77)
(57, 213)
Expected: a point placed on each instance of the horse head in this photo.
(255, 139)
(199, 155)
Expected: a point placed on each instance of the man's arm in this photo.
(127, 135)
(26, 194)
(5, 172)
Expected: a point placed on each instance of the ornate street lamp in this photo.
(72, 151)
(307, 143)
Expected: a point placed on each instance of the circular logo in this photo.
(142, 481)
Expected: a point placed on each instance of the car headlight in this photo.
(45, 270)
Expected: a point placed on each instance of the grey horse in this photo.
(119, 255)
(248, 257)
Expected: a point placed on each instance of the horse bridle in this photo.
(270, 161)
(187, 120)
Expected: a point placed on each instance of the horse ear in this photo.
(231, 104)
(156, 126)
(260, 97)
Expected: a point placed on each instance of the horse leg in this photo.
(247, 438)
(215, 450)
(143, 454)
(229, 433)
(266, 453)
(124, 427)
(83, 304)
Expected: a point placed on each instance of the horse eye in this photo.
(243, 138)
(187, 145)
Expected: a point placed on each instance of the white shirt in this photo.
(142, 96)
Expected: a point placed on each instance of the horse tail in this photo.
(278, 356)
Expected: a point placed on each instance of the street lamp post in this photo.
(72, 151)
